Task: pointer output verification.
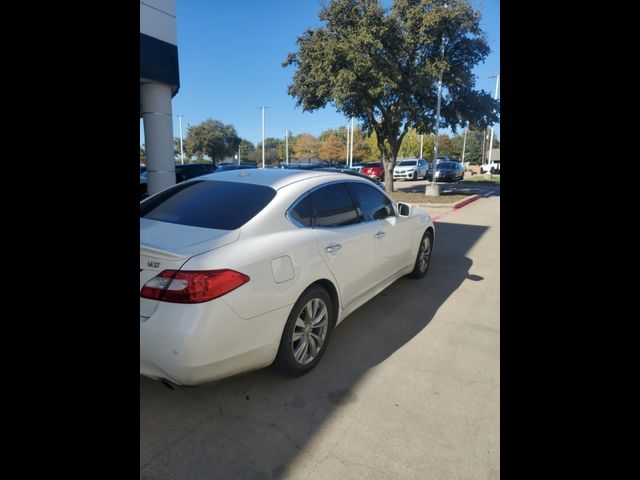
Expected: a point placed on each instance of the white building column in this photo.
(158, 135)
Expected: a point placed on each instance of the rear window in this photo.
(208, 204)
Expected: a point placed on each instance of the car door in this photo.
(346, 244)
(392, 234)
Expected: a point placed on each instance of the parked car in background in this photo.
(233, 166)
(410, 169)
(239, 270)
(191, 170)
(373, 170)
(357, 167)
(346, 170)
(143, 181)
(492, 167)
(447, 172)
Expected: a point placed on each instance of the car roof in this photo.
(275, 178)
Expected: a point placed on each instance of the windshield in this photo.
(446, 166)
(408, 163)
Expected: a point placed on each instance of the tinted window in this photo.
(303, 212)
(208, 204)
(373, 203)
(334, 207)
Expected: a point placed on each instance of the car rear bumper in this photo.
(373, 175)
(199, 343)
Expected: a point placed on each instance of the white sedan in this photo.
(245, 268)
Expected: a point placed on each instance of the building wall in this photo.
(158, 43)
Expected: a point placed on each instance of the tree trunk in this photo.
(387, 165)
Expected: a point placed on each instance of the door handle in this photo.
(333, 248)
(379, 234)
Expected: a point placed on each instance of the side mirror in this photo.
(404, 209)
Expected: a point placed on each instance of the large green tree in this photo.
(272, 149)
(473, 147)
(382, 67)
(213, 139)
(331, 148)
(305, 147)
(246, 149)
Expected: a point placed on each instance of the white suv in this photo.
(411, 169)
(493, 167)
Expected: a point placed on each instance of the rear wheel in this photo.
(306, 333)
(424, 256)
(493, 170)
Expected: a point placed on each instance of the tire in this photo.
(420, 268)
(294, 358)
(493, 170)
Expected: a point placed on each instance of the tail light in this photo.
(179, 286)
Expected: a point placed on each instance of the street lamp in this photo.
(263, 134)
(286, 146)
(351, 151)
(497, 77)
(181, 150)
(433, 189)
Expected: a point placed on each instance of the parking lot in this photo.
(409, 387)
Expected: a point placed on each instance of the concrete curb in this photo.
(458, 204)
(466, 201)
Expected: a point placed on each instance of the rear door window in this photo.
(334, 207)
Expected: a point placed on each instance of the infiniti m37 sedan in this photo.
(245, 268)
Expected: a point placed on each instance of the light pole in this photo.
(347, 161)
(286, 146)
(497, 77)
(181, 150)
(464, 144)
(263, 134)
(421, 142)
(351, 151)
(433, 189)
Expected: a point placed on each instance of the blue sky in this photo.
(230, 55)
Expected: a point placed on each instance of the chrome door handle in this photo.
(379, 234)
(332, 248)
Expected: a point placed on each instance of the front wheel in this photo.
(424, 256)
(306, 333)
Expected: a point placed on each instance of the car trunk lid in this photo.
(167, 246)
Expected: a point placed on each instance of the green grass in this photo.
(480, 179)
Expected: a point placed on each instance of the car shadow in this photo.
(255, 425)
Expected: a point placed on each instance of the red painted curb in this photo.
(466, 201)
